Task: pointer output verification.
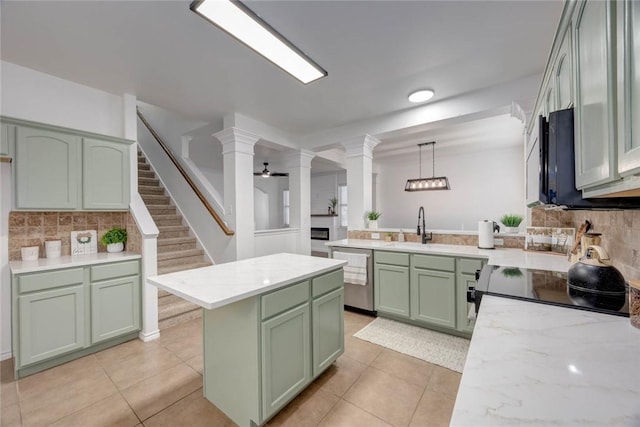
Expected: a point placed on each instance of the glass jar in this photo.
(634, 303)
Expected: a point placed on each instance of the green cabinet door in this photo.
(391, 289)
(327, 315)
(51, 323)
(7, 135)
(563, 73)
(105, 175)
(463, 282)
(433, 297)
(286, 358)
(46, 169)
(115, 308)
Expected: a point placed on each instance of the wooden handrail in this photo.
(208, 207)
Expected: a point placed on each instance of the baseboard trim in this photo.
(6, 355)
(149, 336)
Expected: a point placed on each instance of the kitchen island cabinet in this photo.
(271, 325)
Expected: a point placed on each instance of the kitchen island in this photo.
(540, 365)
(271, 325)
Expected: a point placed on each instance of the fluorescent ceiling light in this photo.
(240, 22)
(421, 95)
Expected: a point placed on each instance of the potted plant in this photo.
(511, 222)
(114, 239)
(333, 202)
(388, 237)
(373, 216)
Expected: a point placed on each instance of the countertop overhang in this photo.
(222, 284)
(68, 261)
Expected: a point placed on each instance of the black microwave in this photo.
(557, 167)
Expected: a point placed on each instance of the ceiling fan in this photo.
(266, 173)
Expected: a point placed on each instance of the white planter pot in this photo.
(373, 224)
(115, 247)
(511, 229)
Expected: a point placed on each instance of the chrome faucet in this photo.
(425, 237)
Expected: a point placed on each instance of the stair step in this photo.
(175, 308)
(181, 318)
(176, 244)
(148, 181)
(162, 220)
(150, 190)
(174, 268)
(142, 158)
(144, 166)
(180, 262)
(168, 299)
(153, 199)
(146, 174)
(180, 254)
(169, 231)
(161, 210)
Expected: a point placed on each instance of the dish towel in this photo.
(355, 271)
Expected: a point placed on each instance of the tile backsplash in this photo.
(442, 238)
(33, 228)
(620, 233)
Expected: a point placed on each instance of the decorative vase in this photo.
(511, 229)
(115, 247)
(373, 224)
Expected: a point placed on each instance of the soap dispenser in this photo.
(400, 236)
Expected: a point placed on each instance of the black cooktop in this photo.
(547, 287)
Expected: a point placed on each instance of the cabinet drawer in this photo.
(284, 299)
(327, 282)
(118, 269)
(432, 262)
(394, 258)
(49, 279)
(469, 266)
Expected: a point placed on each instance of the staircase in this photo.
(177, 248)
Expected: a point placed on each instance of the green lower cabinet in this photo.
(464, 282)
(328, 329)
(115, 308)
(391, 289)
(51, 323)
(433, 297)
(286, 358)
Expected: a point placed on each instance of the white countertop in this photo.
(500, 256)
(540, 365)
(222, 284)
(43, 264)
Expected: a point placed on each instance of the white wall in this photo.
(485, 184)
(31, 95)
(269, 242)
(206, 152)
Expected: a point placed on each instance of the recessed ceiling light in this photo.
(421, 95)
(240, 22)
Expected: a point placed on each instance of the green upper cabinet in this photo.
(105, 175)
(7, 139)
(595, 133)
(563, 73)
(46, 169)
(629, 88)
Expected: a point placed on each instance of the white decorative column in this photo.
(359, 178)
(237, 151)
(298, 165)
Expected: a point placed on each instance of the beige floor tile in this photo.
(353, 322)
(362, 351)
(434, 410)
(444, 381)
(341, 375)
(186, 347)
(8, 384)
(307, 409)
(193, 411)
(58, 377)
(10, 415)
(408, 368)
(152, 395)
(178, 332)
(197, 363)
(141, 366)
(385, 396)
(124, 351)
(344, 414)
(58, 402)
(110, 412)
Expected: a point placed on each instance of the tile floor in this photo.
(160, 384)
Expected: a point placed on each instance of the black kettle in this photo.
(596, 274)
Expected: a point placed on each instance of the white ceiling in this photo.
(375, 52)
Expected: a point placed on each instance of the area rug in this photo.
(433, 347)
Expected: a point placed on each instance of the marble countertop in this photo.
(222, 284)
(500, 256)
(540, 365)
(43, 264)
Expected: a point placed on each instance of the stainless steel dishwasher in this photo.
(358, 296)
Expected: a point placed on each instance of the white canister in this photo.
(485, 235)
(30, 253)
(53, 248)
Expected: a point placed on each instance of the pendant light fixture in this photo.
(428, 184)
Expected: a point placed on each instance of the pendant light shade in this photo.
(428, 184)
